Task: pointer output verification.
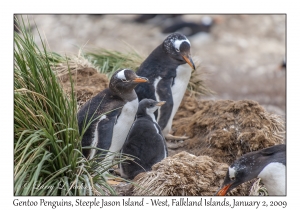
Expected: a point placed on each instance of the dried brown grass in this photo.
(87, 80)
(227, 129)
(184, 174)
(87, 83)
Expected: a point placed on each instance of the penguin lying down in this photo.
(145, 141)
(267, 164)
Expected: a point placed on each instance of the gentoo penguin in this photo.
(144, 142)
(267, 164)
(190, 28)
(168, 69)
(160, 18)
(105, 120)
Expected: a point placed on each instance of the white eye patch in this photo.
(231, 172)
(177, 43)
(121, 75)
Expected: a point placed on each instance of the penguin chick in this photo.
(105, 119)
(145, 141)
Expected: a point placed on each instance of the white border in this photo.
(213, 6)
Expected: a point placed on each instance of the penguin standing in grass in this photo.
(145, 141)
(267, 164)
(168, 69)
(105, 120)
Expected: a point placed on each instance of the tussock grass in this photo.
(109, 61)
(64, 65)
(47, 144)
(258, 189)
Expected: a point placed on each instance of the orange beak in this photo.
(189, 60)
(140, 80)
(223, 191)
(160, 103)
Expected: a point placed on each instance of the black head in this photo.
(125, 80)
(250, 165)
(148, 107)
(239, 172)
(177, 46)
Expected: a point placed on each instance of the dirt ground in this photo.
(241, 57)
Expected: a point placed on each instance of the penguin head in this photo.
(148, 107)
(237, 174)
(250, 166)
(244, 169)
(125, 80)
(177, 46)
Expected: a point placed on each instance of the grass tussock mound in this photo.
(85, 76)
(227, 129)
(87, 83)
(184, 174)
(189, 106)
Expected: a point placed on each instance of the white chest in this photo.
(181, 82)
(183, 75)
(156, 81)
(273, 176)
(123, 125)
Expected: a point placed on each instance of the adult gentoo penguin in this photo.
(110, 113)
(144, 141)
(168, 69)
(190, 28)
(267, 164)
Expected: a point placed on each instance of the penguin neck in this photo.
(151, 115)
(126, 95)
(148, 115)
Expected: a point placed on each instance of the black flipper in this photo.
(165, 94)
(274, 149)
(105, 130)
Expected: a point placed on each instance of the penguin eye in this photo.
(151, 105)
(232, 178)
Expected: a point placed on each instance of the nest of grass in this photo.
(188, 107)
(184, 174)
(258, 189)
(87, 81)
(227, 129)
